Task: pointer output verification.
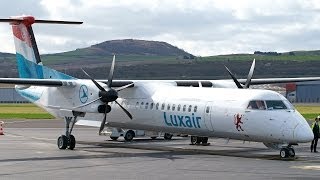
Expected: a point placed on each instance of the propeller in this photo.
(107, 95)
(249, 77)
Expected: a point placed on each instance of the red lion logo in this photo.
(237, 121)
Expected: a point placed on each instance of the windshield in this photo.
(275, 104)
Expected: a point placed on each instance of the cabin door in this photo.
(208, 115)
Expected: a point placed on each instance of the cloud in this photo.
(206, 27)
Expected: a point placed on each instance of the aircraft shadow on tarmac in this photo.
(147, 144)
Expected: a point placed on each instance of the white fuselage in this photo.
(213, 112)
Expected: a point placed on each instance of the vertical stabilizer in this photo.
(28, 58)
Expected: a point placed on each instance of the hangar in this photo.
(10, 95)
(303, 92)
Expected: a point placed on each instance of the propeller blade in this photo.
(94, 81)
(109, 83)
(83, 105)
(127, 112)
(234, 78)
(124, 87)
(250, 74)
(103, 122)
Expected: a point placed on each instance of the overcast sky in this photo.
(206, 27)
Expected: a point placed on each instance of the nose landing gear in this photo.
(287, 152)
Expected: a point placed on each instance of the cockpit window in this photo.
(256, 104)
(289, 105)
(277, 104)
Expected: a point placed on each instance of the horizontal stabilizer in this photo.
(30, 20)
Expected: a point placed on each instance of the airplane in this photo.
(222, 108)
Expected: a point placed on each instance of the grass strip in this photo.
(25, 116)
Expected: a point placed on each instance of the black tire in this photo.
(291, 152)
(193, 140)
(154, 137)
(114, 138)
(284, 153)
(199, 140)
(167, 136)
(204, 140)
(62, 142)
(129, 135)
(72, 142)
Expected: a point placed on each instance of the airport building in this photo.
(10, 95)
(303, 92)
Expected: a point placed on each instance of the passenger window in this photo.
(141, 105)
(173, 107)
(168, 107)
(276, 105)
(151, 106)
(137, 104)
(256, 104)
(162, 106)
(179, 107)
(195, 109)
(184, 108)
(157, 106)
(207, 109)
(147, 104)
(189, 109)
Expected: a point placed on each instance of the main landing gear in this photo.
(199, 140)
(68, 140)
(287, 152)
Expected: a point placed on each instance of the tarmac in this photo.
(29, 151)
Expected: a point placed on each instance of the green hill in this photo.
(139, 59)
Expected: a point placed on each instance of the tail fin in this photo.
(27, 54)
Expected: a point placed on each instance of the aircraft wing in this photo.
(279, 80)
(52, 82)
(35, 82)
(120, 83)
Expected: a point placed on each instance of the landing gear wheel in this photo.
(167, 136)
(193, 140)
(62, 142)
(129, 135)
(204, 141)
(114, 138)
(199, 140)
(72, 142)
(284, 153)
(292, 153)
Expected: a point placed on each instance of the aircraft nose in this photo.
(303, 133)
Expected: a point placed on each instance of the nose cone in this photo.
(303, 133)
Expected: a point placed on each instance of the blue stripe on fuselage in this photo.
(30, 95)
